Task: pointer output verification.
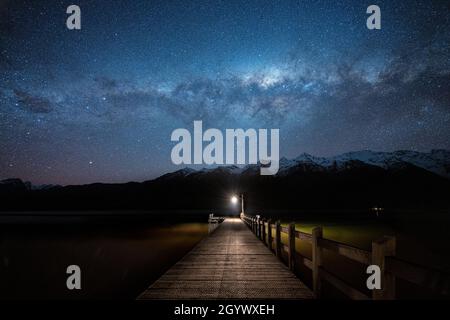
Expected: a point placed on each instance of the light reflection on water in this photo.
(117, 260)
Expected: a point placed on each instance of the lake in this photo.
(118, 257)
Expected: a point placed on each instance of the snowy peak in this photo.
(436, 161)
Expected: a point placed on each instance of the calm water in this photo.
(117, 260)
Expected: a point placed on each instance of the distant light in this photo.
(234, 199)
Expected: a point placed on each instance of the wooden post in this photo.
(264, 231)
(261, 225)
(269, 234)
(253, 222)
(291, 244)
(317, 234)
(382, 248)
(258, 230)
(278, 239)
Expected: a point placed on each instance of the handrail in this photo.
(214, 222)
(303, 236)
(382, 254)
(348, 290)
(353, 253)
(433, 279)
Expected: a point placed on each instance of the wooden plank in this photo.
(380, 250)
(193, 275)
(342, 286)
(291, 246)
(263, 226)
(278, 239)
(230, 264)
(303, 236)
(260, 224)
(356, 254)
(306, 262)
(435, 280)
(225, 293)
(382, 254)
(316, 260)
(239, 284)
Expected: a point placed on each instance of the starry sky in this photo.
(99, 104)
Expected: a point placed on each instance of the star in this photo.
(118, 89)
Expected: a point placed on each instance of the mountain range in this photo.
(354, 180)
(436, 161)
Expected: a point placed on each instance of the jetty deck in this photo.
(231, 263)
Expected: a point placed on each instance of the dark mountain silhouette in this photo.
(355, 181)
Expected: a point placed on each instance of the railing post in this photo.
(278, 239)
(258, 225)
(264, 230)
(317, 234)
(382, 248)
(260, 228)
(291, 244)
(252, 221)
(269, 234)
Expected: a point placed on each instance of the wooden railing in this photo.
(214, 222)
(382, 255)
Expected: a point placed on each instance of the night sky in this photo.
(99, 104)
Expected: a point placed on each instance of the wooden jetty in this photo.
(383, 255)
(236, 262)
(229, 264)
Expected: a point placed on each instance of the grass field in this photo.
(424, 240)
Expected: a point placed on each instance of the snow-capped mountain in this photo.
(354, 180)
(436, 161)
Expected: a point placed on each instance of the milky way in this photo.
(100, 103)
